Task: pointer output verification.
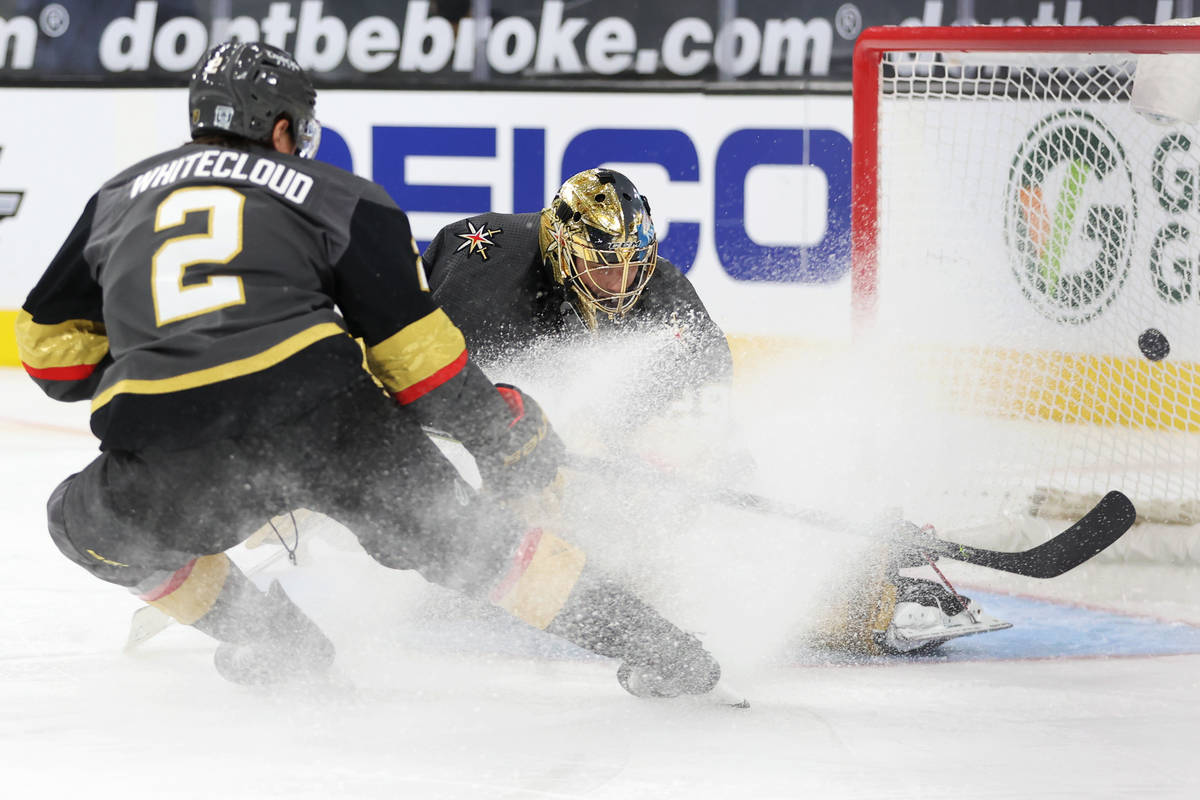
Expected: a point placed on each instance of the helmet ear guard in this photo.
(597, 224)
(242, 88)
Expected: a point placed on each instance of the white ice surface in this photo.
(425, 710)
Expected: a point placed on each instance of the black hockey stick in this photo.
(1106, 522)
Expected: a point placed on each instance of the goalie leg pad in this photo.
(540, 578)
(859, 609)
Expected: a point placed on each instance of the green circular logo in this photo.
(1069, 216)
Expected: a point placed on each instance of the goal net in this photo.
(1027, 272)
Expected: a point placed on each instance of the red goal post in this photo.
(1017, 226)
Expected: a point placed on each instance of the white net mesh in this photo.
(1032, 227)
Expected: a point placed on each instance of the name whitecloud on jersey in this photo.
(287, 182)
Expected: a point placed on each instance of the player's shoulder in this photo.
(192, 162)
(517, 227)
(667, 274)
(145, 165)
(669, 290)
(499, 249)
(490, 242)
(335, 174)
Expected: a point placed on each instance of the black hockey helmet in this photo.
(242, 88)
(598, 220)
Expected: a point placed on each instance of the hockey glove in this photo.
(527, 456)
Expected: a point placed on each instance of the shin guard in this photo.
(189, 593)
(659, 657)
(540, 578)
(212, 595)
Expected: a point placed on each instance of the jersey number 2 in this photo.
(173, 300)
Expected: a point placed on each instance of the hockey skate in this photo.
(700, 682)
(658, 659)
(927, 615)
(696, 675)
(294, 650)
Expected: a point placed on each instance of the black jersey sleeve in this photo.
(699, 355)
(61, 338)
(412, 347)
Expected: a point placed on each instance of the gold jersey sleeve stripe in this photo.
(419, 357)
(222, 372)
(70, 345)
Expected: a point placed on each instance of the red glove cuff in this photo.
(515, 400)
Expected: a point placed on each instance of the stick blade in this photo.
(1107, 522)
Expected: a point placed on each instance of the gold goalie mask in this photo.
(597, 239)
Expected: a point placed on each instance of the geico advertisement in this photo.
(750, 195)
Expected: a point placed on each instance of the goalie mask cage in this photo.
(1017, 227)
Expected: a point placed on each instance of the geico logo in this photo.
(725, 172)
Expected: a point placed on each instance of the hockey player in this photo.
(196, 305)
(587, 267)
(577, 295)
(579, 291)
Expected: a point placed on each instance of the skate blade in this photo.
(957, 633)
(721, 695)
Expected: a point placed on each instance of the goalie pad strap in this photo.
(190, 592)
(542, 574)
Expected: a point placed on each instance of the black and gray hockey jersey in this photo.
(210, 291)
(487, 273)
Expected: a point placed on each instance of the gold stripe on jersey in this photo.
(190, 596)
(417, 352)
(222, 372)
(73, 343)
(543, 572)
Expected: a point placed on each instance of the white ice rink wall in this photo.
(750, 193)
